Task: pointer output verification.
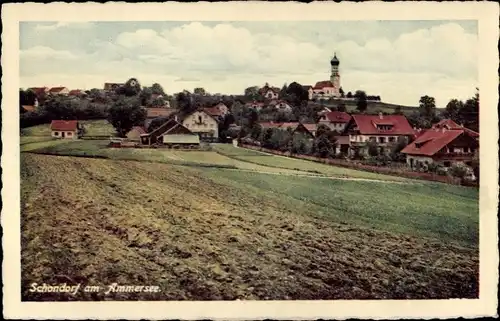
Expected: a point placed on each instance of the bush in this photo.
(459, 170)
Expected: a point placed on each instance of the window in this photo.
(199, 119)
(56, 133)
(70, 133)
(381, 140)
(372, 139)
(392, 139)
(466, 149)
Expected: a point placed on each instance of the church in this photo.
(329, 88)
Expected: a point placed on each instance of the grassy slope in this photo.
(376, 107)
(299, 164)
(99, 127)
(208, 235)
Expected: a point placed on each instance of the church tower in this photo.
(335, 76)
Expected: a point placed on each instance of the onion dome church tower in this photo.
(335, 76)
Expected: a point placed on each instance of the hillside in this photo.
(373, 107)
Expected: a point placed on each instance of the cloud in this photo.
(399, 64)
(43, 53)
(61, 24)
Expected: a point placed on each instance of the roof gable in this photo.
(337, 117)
(64, 125)
(431, 142)
(371, 125)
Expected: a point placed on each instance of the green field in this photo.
(99, 127)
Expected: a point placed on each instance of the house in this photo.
(384, 130)
(155, 112)
(171, 134)
(295, 127)
(255, 105)
(39, 91)
(444, 144)
(58, 91)
(269, 92)
(309, 90)
(281, 105)
(112, 86)
(312, 128)
(76, 92)
(266, 125)
(202, 123)
(136, 132)
(66, 129)
(219, 110)
(335, 120)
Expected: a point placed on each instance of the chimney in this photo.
(175, 117)
(381, 115)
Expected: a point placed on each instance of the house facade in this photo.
(335, 120)
(255, 105)
(383, 130)
(269, 92)
(442, 145)
(281, 105)
(202, 123)
(65, 129)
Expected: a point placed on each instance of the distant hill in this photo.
(374, 107)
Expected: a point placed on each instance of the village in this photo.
(361, 135)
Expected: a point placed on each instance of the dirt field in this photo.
(98, 222)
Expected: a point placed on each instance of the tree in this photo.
(158, 102)
(452, 110)
(469, 113)
(256, 131)
(199, 91)
(349, 95)
(300, 144)
(145, 96)
(361, 103)
(398, 111)
(427, 107)
(126, 113)
(185, 103)
(131, 88)
(341, 107)
(372, 148)
(157, 89)
(252, 93)
(341, 91)
(396, 149)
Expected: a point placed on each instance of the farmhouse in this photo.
(384, 130)
(135, 133)
(202, 123)
(66, 129)
(59, 91)
(171, 134)
(335, 120)
(444, 144)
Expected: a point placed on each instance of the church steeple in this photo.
(335, 61)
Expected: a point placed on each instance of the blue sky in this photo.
(398, 60)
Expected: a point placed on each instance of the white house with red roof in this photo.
(65, 129)
(445, 143)
(384, 130)
(202, 123)
(281, 105)
(58, 91)
(335, 120)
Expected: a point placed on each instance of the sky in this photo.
(397, 60)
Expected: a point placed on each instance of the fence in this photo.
(374, 169)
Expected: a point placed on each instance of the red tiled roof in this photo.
(213, 111)
(432, 140)
(323, 84)
(75, 92)
(38, 90)
(56, 89)
(64, 125)
(270, 125)
(367, 124)
(289, 125)
(450, 124)
(337, 117)
(153, 112)
(29, 108)
(311, 127)
(139, 129)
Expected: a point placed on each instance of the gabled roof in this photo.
(153, 112)
(367, 124)
(266, 88)
(64, 125)
(168, 127)
(431, 141)
(39, 90)
(56, 89)
(75, 92)
(337, 117)
(323, 84)
(450, 124)
(311, 127)
(204, 111)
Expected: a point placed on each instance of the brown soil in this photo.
(97, 222)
